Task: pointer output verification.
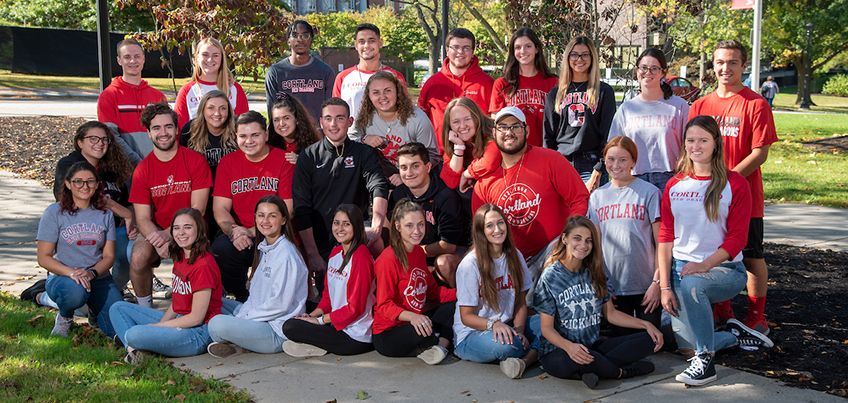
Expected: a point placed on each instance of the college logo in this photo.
(520, 204)
(416, 290)
(348, 161)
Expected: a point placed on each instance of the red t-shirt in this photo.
(167, 186)
(246, 182)
(188, 278)
(487, 163)
(746, 123)
(399, 291)
(530, 98)
(538, 194)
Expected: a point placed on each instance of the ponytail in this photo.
(666, 89)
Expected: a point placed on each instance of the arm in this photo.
(570, 187)
(439, 248)
(501, 331)
(199, 198)
(126, 213)
(199, 305)
(757, 157)
(181, 106)
(240, 236)
(618, 318)
(44, 253)
(358, 290)
(577, 352)
(131, 154)
(241, 101)
(488, 163)
(651, 300)
(378, 219)
(144, 217)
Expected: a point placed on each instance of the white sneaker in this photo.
(296, 349)
(433, 355)
(61, 326)
(513, 367)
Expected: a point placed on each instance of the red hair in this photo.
(624, 143)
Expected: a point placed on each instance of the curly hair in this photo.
(201, 244)
(151, 111)
(198, 139)
(404, 102)
(66, 199)
(114, 166)
(305, 133)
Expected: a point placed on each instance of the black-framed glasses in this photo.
(579, 56)
(654, 70)
(305, 36)
(516, 129)
(94, 140)
(78, 183)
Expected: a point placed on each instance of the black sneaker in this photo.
(590, 379)
(701, 370)
(128, 296)
(160, 287)
(749, 339)
(638, 368)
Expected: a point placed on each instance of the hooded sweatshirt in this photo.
(443, 211)
(444, 86)
(119, 107)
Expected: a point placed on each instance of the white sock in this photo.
(146, 302)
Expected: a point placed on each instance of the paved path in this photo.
(278, 377)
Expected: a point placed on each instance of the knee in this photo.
(142, 254)
(290, 327)
(504, 351)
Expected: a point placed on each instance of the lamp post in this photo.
(805, 102)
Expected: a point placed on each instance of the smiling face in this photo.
(131, 59)
(383, 95)
(82, 186)
(367, 44)
(728, 66)
(284, 122)
(460, 52)
(342, 229)
(619, 162)
(584, 63)
(462, 123)
(414, 173)
(300, 40)
(525, 51)
(252, 139)
(494, 227)
(699, 145)
(411, 228)
(184, 232)
(335, 122)
(94, 144)
(269, 221)
(163, 132)
(209, 59)
(643, 72)
(215, 113)
(578, 243)
(510, 142)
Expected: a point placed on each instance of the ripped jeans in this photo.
(693, 327)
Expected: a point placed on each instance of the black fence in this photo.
(65, 52)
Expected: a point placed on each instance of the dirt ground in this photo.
(807, 304)
(839, 143)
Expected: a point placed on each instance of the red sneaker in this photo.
(759, 324)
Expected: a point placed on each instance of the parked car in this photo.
(683, 88)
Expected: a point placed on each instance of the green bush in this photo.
(836, 85)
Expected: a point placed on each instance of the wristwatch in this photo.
(93, 272)
(491, 323)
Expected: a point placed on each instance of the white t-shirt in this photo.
(468, 292)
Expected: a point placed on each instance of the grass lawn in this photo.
(823, 103)
(794, 173)
(86, 366)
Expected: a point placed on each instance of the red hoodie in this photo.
(121, 103)
(444, 86)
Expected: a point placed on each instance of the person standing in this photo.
(747, 127)
(460, 76)
(119, 106)
(769, 90)
(302, 76)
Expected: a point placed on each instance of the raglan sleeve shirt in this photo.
(358, 287)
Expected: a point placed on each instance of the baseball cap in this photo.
(511, 111)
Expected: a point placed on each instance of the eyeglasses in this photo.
(94, 140)
(516, 129)
(654, 70)
(463, 49)
(304, 36)
(579, 56)
(78, 183)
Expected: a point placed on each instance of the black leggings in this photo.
(233, 264)
(630, 304)
(324, 336)
(402, 341)
(610, 355)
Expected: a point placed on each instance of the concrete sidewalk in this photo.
(278, 377)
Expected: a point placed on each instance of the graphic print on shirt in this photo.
(171, 188)
(520, 203)
(348, 162)
(390, 147)
(83, 234)
(302, 85)
(250, 184)
(529, 100)
(502, 283)
(729, 125)
(646, 121)
(416, 290)
(582, 296)
(625, 210)
(181, 287)
(691, 196)
(576, 104)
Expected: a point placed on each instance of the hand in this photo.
(593, 182)
(694, 268)
(163, 252)
(291, 158)
(237, 231)
(132, 230)
(503, 333)
(656, 336)
(83, 278)
(579, 354)
(651, 300)
(309, 319)
(422, 325)
(373, 140)
(373, 234)
(315, 262)
(669, 303)
(395, 180)
(454, 138)
(465, 182)
(243, 242)
(524, 342)
(158, 239)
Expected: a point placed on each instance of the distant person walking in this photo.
(769, 90)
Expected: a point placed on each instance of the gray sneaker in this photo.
(128, 295)
(433, 355)
(296, 349)
(61, 326)
(160, 287)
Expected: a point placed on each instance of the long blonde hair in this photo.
(485, 262)
(718, 172)
(225, 77)
(483, 123)
(566, 76)
(198, 138)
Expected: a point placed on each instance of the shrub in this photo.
(836, 85)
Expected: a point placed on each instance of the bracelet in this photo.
(459, 147)
(93, 273)
(321, 320)
(657, 281)
(491, 323)
(665, 288)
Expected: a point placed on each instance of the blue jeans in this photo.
(693, 327)
(658, 179)
(250, 334)
(770, 101)
(69, 296)
(584, 164)
(131, 320)
(121, 267)
(481, 346)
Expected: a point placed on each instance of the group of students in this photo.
(494, 282)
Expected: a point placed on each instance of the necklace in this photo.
(506, 183)
(573, 87)
(359, 72)
(336, 149)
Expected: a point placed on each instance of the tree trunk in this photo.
(491, 31)
(800, 67)
(434, 37)
(702, 70)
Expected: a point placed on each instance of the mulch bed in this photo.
(839, 143)
(808, 288)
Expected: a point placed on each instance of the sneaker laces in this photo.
(696, 367)
(749, 343)
(159, 286)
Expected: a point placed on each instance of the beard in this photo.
(517, 147)
(168, 146)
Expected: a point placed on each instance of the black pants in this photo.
(630, 304)
(610, 355)
(233, 264)
(403, 341)
(324, 336)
